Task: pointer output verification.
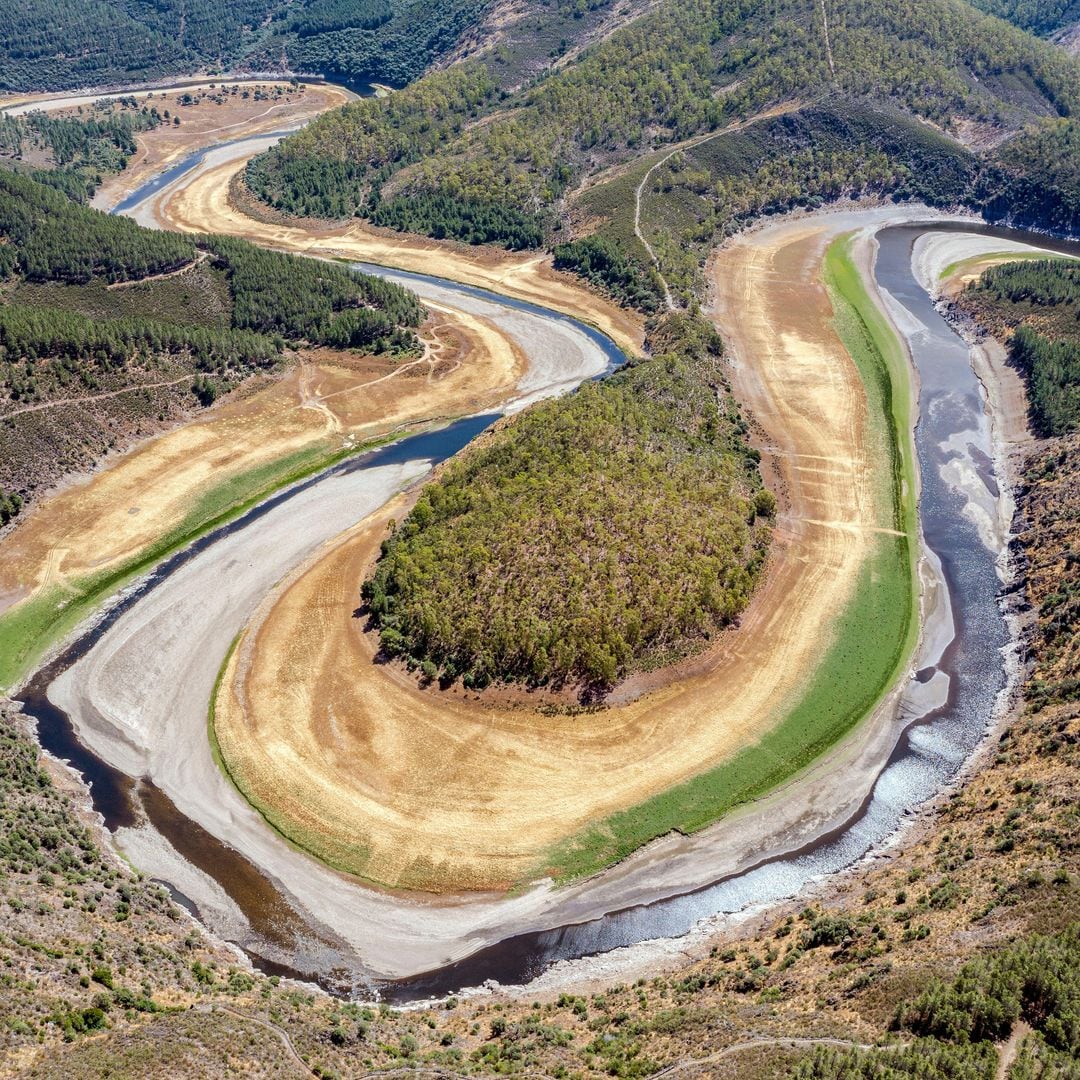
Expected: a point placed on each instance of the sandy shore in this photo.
(341, 752)
(200, 202)
(102, 520)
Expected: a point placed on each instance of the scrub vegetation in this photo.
(1052, 547)
(116, 323)
(612, 530)
(673, 76)
(1035, 304)
(78, 151)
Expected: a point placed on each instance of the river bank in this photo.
(665, 871)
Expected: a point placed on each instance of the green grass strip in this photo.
(28, 630)
(967, 264)
(875, 635)
(348, 860)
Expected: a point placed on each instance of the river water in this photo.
(955, 453)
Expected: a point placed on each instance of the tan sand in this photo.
(202, 203)
(107, 518)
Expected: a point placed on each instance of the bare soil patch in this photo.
(204, 203)
(105, 519)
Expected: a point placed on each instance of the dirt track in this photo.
(105, 519)
(416, 789)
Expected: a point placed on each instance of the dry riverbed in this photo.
(808, 401)
(413, 788)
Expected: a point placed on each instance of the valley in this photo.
(789, 814)
(566, 569)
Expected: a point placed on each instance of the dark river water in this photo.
(929, 750)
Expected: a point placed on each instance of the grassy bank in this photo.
(874, 637)
(31, 628)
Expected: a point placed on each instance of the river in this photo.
(240, 901)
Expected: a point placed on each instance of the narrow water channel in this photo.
(952, 440)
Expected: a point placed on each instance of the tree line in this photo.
(957, 1022)
(50, 238)
(311, 300)
(31, 334)
(1036, 304)
(82, 149)
(687, 68)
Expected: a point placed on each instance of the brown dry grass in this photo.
(108, 518)
(421, 789)
(206, 123)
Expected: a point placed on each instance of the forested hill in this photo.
(473, 583)
(425, 162)
(1035, 305)
(1044, 17)
(54, 44)
(128, 327)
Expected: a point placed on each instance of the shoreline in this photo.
(660, 852)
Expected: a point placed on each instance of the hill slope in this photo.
(457, 154)
(45, 44)
(122, 327)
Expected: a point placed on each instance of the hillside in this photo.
(657, 109)
(50, 46)
(1043, 17)
(1035, 306)
(688, 67)
(934, 953)
(108, 329)
(78, 152)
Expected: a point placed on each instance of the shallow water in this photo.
(955, 455)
